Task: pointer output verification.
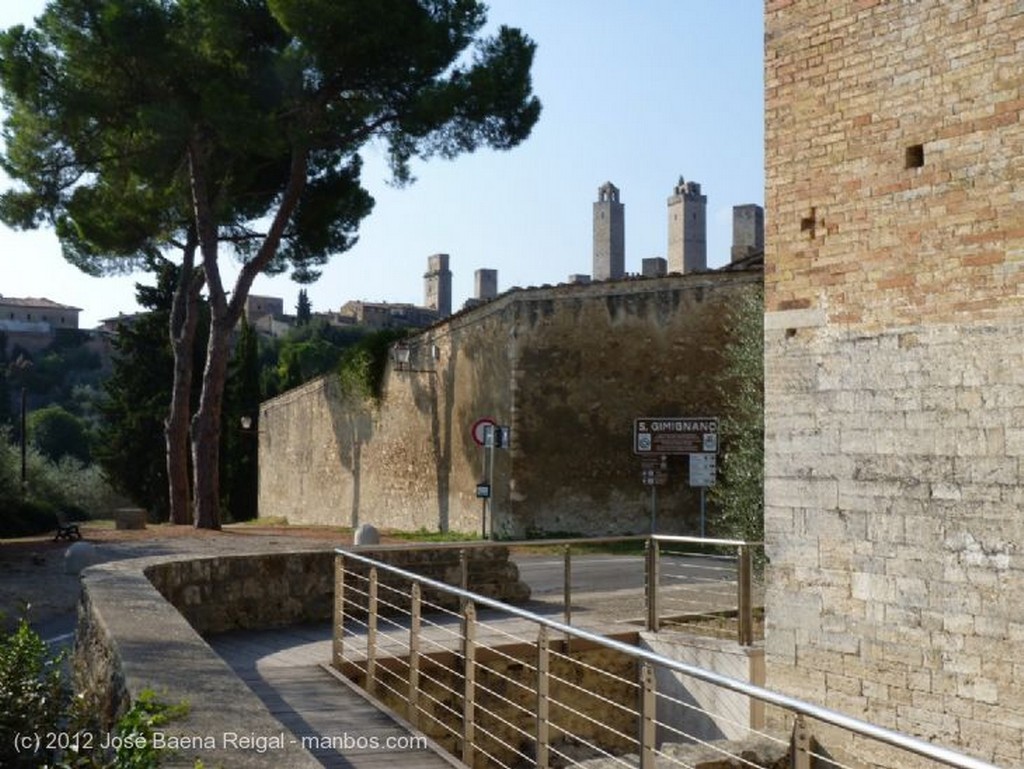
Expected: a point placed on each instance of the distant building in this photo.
(34, 315)
(261, 306)
(747, 231)
(655, 267)
(687, 229)
(609, 234)
(33, 322)
(380, 315)
(437, 285)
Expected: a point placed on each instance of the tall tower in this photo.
(747, 231)
(609, 234)
(437, 285)
(687, 228)
(486, 284)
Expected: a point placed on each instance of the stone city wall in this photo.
(894, 367)
(567, 368)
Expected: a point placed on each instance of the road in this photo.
(606, 573)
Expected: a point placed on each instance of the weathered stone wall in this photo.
(894, 366)
(567, 368)
(592, 693)
(140, 624)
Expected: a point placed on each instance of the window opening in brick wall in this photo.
(914, 156)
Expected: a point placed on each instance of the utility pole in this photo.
(24, 444)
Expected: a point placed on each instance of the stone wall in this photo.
(894, 366)
(140, 624)
(568, 368)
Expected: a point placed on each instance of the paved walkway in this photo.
(336, 724)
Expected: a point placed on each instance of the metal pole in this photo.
(744, 598)
(567, 594)
(371, 633)
(469, 680)
(338, 652)
(490, 484)
(24, 443)
(654, 509)
(702, 511)
(415, 621)
(543, 701)
(648, 717)
(652, 575)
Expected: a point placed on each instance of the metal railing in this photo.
(497, 685)
(701, 585)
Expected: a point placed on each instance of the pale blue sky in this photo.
(638, 94)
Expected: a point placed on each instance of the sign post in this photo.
(696, 437)
(488, 435)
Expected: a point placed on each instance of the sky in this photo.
(639, 94)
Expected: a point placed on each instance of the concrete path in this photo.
(335, 723)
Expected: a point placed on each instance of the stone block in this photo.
(129, 518)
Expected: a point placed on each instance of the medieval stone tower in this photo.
(894, 365)
(437, 285)
(687, 228)
(609, 234)
(747, 231)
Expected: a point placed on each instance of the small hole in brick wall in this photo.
(790, 333)
(914, 156)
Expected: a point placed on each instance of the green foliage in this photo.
(131, 447)
(33, 695)
(362, 367)
(65, 485)
(136, 728)
(132, 127)
(739, 493)
(56, 433)
(305, 353)
(36, 701)
(304, 309)
(239, 457)
(423, 535)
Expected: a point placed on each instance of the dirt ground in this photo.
(33, 570)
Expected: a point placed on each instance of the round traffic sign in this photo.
(479, 428)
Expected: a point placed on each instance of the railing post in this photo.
(567, 594)
(337, 645)
(543, 701)
(801, 758)
(745, 598)
(652, 575)
(469, 684)
(371, 632)
(648, 717)
(463, 575)
(415, 622)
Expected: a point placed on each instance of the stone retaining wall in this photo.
(140, 621)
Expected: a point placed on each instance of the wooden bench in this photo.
(66, 529)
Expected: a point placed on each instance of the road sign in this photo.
(703, 469)
(480, 429)
(675, 435)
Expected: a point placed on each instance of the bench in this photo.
(66, 529)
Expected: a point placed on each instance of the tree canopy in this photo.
(135, 126)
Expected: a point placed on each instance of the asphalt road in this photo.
(606, 573)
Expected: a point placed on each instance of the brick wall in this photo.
(894, 364)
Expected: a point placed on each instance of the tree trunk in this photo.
(184, 319)
(206, 426)
(224, 317)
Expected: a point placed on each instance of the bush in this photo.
(33, 695)
(41, 724)
(81, 490)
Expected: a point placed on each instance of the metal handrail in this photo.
(652, 594)
(825, 715)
